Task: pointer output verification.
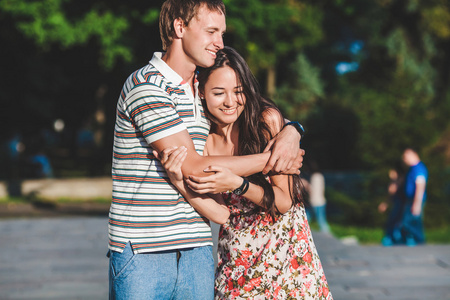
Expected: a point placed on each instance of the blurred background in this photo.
(366, 79)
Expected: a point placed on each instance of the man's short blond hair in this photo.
(185, 10)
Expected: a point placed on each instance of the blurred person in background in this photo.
(396, 199)
(416, 195)
(316, 191)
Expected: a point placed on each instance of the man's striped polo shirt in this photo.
(146, 209)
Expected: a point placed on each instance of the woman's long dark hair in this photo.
(254, 132)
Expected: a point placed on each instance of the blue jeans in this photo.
(176, 274)
(394, 221)
(413, 225)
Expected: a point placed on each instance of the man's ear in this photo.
(179, 28)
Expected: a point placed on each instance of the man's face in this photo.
(203, 37)
(408, 157)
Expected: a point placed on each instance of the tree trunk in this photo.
(271, 81)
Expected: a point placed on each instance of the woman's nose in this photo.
(230, 100)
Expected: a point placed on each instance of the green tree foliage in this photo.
(298, 94)
(77, 55)
(46, 23)
(265, 31)
(50, 22)
(398, 96)
(66, 60)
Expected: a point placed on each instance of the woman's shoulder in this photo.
(273, 118)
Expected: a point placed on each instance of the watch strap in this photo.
(243, 188)
(297, 126)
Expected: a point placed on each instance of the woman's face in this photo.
(224, 95)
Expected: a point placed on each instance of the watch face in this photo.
(237, 191)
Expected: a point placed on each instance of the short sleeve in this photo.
(421, 179)
(153, 112)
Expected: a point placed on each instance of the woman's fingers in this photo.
(199, 187)
(176, 158)
(165, 154)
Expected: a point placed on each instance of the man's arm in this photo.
(285, 147)
(194, 163)
(416, 208)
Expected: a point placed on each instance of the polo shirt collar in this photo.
(165, 70)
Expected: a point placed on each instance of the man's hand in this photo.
(416, 209)
(286, 157)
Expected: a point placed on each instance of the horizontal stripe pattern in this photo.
(146, 209)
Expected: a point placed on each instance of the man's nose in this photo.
(218, 42)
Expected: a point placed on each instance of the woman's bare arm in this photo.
(195, 164)
(211, 207)
(222, 179)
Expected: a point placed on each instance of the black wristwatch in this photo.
(242, 189)
(297, 126)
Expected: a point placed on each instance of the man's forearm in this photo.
(204, 204)
(239, 165)
(418, 198)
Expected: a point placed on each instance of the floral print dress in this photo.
(259, 258)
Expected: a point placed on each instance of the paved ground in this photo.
(64, 258)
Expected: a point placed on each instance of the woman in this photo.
(265, 245)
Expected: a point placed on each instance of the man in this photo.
(415, 192)
(160, 247)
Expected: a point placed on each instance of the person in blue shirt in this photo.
(415, 193)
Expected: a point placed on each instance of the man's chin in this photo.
(205, 64)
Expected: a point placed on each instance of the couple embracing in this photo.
(195, 141)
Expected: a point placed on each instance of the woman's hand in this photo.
(220, 180)
(172, 158)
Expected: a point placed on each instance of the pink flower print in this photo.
(229, 285)
(301, 236)
(246, 253)
(241, 280)
(294, 263)
(308, 284)
(293, 293)
(307, 257)
(305, 270)
(301, 249)
(256, 281)
(242, 262)
(326, 291)
(238, 272)
(291, 232)
(235, 293)
(248, 287)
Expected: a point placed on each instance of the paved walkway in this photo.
(64, 258)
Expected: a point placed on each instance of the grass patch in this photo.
(20, 200)
(370, 236)
(365, 236)
(7, 200)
